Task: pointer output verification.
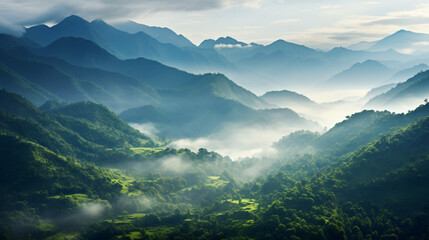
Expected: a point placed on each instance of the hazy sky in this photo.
(316, 23)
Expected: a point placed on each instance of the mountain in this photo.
(39, 74)
(285, 98)
(78, 130)
(384, 180)
(361, 45)
(43, 178)
(357, 130)
(182, 98)
(402, 41)
(186, 117)
(376, 91)
(222, 42)
(409, 72)
(83, 52)
(125, 45)
(361, 75)
(162, 34)
(405, 95)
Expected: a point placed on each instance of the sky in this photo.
(319, 24)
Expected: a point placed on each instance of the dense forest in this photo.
(77, 171)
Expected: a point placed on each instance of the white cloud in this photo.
(231, 46)
(285, 21)
(29, 12)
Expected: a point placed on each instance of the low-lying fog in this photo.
(241, 141)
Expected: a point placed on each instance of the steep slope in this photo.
(38, 184)
(376, 91)
(162, 34)
(405, 95)
(16, 83)
(392, 171)
(47, 77)
(82, 130)
(357, 130)
(112, 89)
(378, 191)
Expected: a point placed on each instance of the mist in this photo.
(241, 141)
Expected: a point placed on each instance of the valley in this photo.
(129, 131)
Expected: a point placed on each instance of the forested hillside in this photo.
(82, 173)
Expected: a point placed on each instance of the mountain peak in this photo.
(402, 31)
(73, 19)
(279, 41)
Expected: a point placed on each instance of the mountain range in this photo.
(74, 69)
(125, 45)
(281, 64)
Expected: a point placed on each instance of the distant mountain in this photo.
(122, 84)
(211, 115)
(162, 34)
(86, 53)
(407, 73)
(361, 45)
(285, 98)
(223, 42)
(41, 78)
(125, 45)
(402, 41)
(377, 91)
(405, 95)
(361, 75)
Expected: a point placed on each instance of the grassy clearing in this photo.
(216, 182)
(246, 204)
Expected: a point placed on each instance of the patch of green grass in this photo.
(134, 235)
(216, 182)
(247, 204)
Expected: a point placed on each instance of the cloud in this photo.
(231, 46)
(29, 12)
(230, 142)
(174, 164)
(399, 21)
(10, 28)
(330, 6)
(286, 21)
(145, 128)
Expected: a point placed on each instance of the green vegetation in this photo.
(77, 171)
